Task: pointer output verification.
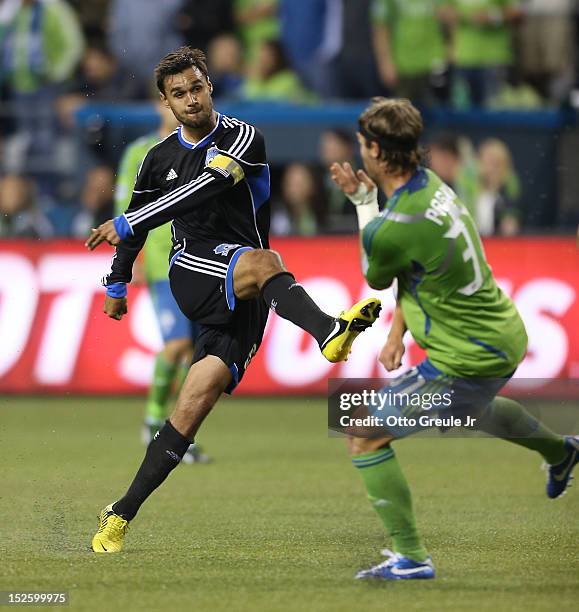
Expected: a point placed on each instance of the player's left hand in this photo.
(103, 233)
(115, 308)
(348, 180)
(391, 354)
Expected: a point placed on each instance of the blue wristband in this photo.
(117, 290)
(122, 226)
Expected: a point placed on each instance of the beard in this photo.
(198, 121)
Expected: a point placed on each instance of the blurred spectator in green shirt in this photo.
(256, 22)
(482, 47)
(41, 44)
(409, 45)
(270, 77)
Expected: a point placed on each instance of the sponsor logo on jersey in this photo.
(212, 152)
(172, 175)
(223, 249)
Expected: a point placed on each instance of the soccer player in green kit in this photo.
(448, 299)
(173, 361)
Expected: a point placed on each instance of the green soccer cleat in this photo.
(337, 346)
(111, 532)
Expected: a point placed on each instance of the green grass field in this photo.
(278, 522)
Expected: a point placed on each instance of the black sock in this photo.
(289, 300)
(164, 453)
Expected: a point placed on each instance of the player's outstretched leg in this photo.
(206, 381)
(261, 270)
(508, 420)
(390, 496)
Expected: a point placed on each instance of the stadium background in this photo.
(301, 70)
(286, 67)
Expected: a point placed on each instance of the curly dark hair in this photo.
(178, 61)
(395, 125)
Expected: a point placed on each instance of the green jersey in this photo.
(45, 43)
(482, 45)
(415, 32)
(266, 28)
(426, 238)
(156, 250)
(284, 85)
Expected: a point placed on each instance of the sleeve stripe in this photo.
(244, 137)
(241, 150)
(169, 200)
(135, 213)
(181, 196)
(240, 138)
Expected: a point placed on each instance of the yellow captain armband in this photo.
(227, 167)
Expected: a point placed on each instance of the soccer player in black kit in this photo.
(211, 178)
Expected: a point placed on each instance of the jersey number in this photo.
(459, 228)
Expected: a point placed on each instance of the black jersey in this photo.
(216, 189)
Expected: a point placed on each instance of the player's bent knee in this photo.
(269, 265)
(265, 260)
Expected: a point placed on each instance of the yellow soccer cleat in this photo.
(111, 532)
(337, 346)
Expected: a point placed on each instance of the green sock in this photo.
(508, 420)
(160, 390)
(390, 496)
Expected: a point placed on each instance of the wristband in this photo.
(117, 290)
(366, 203)
(122, 227)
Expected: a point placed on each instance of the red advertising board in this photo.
(54, 337)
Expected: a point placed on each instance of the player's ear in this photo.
(210, 85)
(164, 100)
(375, 150)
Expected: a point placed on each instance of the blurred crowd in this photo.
(55, 55)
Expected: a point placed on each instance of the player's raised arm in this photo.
(145, 190)
(359, 188)
(122, 264)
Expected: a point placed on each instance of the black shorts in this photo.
(201, 278)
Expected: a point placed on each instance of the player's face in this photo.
(188, 95)
(370, 154)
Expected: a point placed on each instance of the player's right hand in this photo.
(115, 308)
(105, 232)
(348, 181)
(391, 354)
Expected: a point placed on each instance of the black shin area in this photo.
(289, 300)
(163, 454)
